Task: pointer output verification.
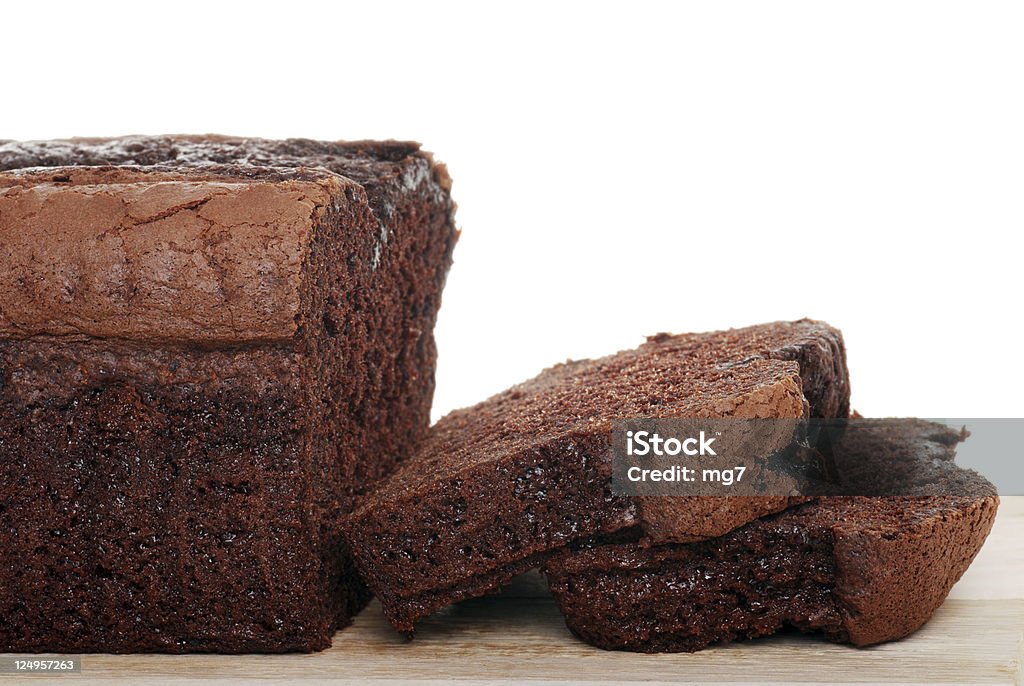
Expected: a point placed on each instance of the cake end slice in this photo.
(857, 569)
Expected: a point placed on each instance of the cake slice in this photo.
(858, 569)
(497, 487)
(209, 347)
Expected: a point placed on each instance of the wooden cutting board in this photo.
(977, 637)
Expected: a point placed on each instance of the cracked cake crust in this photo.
(140, 256)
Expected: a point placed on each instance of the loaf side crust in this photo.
(157, 257)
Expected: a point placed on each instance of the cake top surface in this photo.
(749, 373)
(361, 161)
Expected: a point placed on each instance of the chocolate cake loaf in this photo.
(209, 347)
(857, 569)
(497, 487)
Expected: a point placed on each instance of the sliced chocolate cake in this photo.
(209, 347)
(857, 569)
(497, 487)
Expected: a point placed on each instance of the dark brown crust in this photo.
(861, 570)
(177, 485)
(527, 471)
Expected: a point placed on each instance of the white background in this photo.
(623, 169)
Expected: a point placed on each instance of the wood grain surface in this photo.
(977, 637)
